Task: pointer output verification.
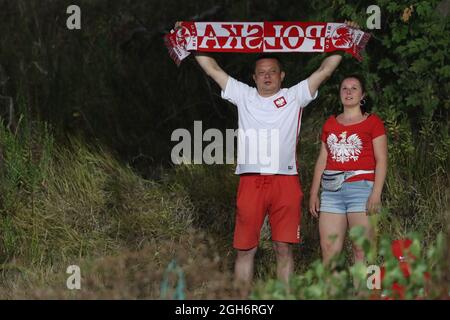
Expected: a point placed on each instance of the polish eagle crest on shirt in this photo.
(344, 149)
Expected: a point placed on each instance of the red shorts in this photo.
(279, 196)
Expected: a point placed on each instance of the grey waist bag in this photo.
(332, 180)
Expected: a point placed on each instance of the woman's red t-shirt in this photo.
(350, 146)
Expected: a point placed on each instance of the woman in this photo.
(351, 168)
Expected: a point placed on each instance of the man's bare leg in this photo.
(243, 270)
(285, 260)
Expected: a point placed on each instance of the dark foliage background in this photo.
(85, 143)
(113, 81)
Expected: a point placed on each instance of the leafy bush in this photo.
(323, 282)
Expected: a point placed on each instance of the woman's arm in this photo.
(321, 163)
(380, 152)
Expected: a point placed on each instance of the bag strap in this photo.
(357, 173)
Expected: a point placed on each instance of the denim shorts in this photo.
(352, 197)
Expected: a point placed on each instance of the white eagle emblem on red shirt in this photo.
(345, 149)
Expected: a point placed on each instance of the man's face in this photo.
(268, 77)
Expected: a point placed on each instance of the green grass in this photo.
(76, 204)
(67, 205)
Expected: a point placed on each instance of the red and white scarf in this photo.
(251, 37)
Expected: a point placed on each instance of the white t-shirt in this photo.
(268, 127)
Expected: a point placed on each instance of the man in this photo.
(274, 188)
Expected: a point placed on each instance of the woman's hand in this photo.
(314, 205)
(373, 204)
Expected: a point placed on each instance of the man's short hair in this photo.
(268, 56)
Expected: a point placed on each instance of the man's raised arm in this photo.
(323, 73)
(210, 66)
(327, 67)
(212, 69)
